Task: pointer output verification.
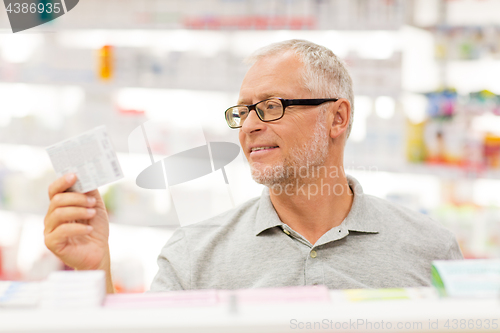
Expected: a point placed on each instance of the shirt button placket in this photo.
(314, 270)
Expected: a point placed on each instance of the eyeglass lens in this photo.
(267, 110)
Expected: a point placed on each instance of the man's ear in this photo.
(341, 115)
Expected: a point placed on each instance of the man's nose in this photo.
(252, 122)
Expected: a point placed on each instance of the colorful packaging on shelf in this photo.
(445, 141)
(492, 151)
(106, 62)
(482, 102)
(467, 278)
(415, 147)
(442, 103)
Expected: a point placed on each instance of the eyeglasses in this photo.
(270, 109)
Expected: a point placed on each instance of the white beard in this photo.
(311, 154)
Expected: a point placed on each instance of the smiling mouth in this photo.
(262, 148)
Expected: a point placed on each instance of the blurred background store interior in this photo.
(426, 130)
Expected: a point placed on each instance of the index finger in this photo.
(61, 184)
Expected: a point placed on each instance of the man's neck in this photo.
(311, 207)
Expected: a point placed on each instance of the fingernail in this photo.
(91, 200)
(91, 211)
(70, 177)
(89, 228)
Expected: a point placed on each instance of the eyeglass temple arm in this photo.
(313, 101)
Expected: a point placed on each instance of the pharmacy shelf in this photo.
(137, 67)
(106, 88)
(231, 15)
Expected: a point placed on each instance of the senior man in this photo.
(312, 224)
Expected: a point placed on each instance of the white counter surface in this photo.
(423, 315)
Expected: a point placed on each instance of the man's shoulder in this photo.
(390, 215)
(409, 231)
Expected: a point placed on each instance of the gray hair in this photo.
(325, 74)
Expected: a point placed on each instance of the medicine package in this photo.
(90, 156)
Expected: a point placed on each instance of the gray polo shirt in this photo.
(378, 245)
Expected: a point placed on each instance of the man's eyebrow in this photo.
(261, 97)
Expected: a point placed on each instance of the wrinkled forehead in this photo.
(280, 75)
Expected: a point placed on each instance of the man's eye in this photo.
(243, 114)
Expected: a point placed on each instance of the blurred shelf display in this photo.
(206, 61)
(461, 131)
(467, 42)
(234, 14)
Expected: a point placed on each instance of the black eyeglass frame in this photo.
(284, 102)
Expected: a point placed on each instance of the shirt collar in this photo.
(356, 220)
(266, 214)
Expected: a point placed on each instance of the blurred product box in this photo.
(467, 278)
